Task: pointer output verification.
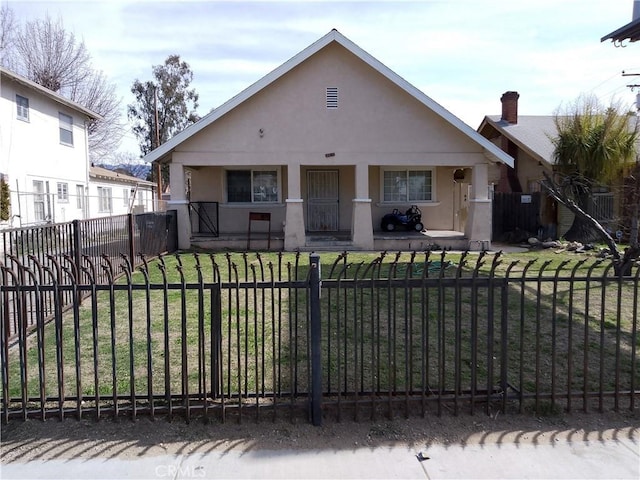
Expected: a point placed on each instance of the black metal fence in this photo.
(268, 335)
(61, 252)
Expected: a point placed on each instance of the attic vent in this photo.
(332, 97)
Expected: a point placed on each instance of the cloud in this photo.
(464, 54)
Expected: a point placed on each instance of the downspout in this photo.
(85, 200)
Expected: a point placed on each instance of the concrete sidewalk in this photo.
(562, 459)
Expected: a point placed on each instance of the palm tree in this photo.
(594, 144)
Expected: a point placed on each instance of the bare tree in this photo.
(7, 27)
(46, 53)
(97, 94)
(51, 56)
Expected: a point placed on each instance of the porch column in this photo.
(180, 203)
(478, 227)
(361, 221)
(294, 231)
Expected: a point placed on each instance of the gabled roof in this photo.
(100, 173)
(493, 152)
(532, 133)
(631, 32)
(56, 97)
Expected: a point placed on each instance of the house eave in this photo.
(535, 155)
(49, 93)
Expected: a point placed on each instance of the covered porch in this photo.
(328, 207)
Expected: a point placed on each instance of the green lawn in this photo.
(154, 333)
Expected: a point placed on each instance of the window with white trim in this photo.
(407, 186)
(252, 186)
(79, 196)
(38, 200)
(104, 199)
(22, 108)
(63, 192)
(66, 128)
(125, 197)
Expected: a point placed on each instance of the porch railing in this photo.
(204, 218)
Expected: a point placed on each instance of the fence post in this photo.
(316, 330)
(77, 257)
(77, 246)
(131, 240)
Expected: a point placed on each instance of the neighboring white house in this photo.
(115, 193)
(44, 156)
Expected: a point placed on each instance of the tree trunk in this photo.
(581, 229)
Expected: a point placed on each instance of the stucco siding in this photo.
(529, 171)
(373, 115)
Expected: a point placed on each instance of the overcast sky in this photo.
(462, 53)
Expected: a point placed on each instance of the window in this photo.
(332, 97)
(407, 186)
(104, 199)
(22, 106)
(125, 197)
(38, 200)
(63, 192)
(66, 129)
(257, 186)
(79, 197)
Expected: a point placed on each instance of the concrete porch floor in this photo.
(339, 241)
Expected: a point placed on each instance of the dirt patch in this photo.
(34, 439)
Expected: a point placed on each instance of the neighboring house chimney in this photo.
(510, 107)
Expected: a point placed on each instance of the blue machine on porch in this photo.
(411, 220)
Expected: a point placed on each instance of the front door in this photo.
(460, 206)
(322, 200)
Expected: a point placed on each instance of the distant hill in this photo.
(140, 170)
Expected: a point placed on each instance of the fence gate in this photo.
(513, 212)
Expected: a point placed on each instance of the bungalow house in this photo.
(116, 193)
(321, 149)
(44, 161)
(529, 140)
(526, 138)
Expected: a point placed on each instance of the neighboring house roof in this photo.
(532, 133)
(631, 32)
(56, 97)
(493, 152)
(100, 173)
